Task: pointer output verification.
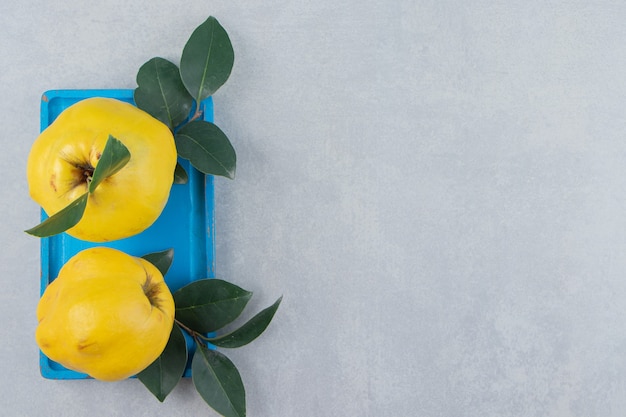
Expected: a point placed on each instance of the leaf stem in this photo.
(196, 115)
(197, 336)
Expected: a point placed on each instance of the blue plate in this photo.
(186, 224)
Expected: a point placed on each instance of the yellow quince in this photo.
(63, 158)
(107, 314)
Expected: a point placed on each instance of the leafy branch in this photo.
(205, 305)
(175, 96)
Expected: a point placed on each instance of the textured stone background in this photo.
(438, 189)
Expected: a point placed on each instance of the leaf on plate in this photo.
(249, 331)
(161, 260)
(180, 175)
(61, 221)
(218, 382)
(162, 375)
(207, 59)
(115, 156)
(207, 148)
(161, 93)
(207, 305)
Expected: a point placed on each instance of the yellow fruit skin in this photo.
(95, 317)
(125, 203)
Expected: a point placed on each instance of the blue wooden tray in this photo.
(186, 224)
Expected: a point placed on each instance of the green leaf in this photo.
(207, 305)
(62, 220)
(161, 260)
(207, 148)
(161, 92)
(249, 331)
(114, 157)
(180, 175)
(162, 375)
(207, 59)
(218, 382)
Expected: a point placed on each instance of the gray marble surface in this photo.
(437, 188)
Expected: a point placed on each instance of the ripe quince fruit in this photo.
(63, 158)
(107, 314)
